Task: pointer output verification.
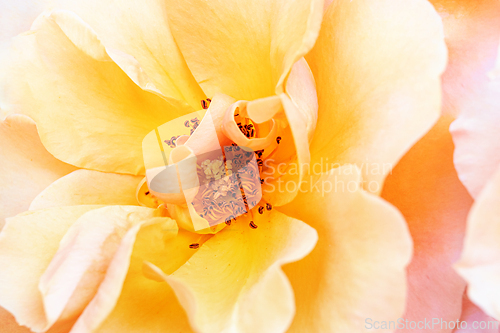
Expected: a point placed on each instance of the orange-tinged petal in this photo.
(28, 243)
(26, 167)
(476, 321)
(245, 49)
(142, 31)
(9, 325)
(479, 263)
(235, 282)
(425, 187)
(377, 66)
(89, 113)
(472, 34)
(87, 187)
(357, 270)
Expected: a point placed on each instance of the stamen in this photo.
(171, 142)
(253, 225)
(269, 206)
(205, 103)
(278, 139)
(194, 246)
(218, 198)
(245, 125)
(261, 209)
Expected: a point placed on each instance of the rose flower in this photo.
(87, 246)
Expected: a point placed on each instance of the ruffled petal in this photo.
(89, 247)
(146, 303)
(235, 282)
(300, 106)
(28, 243)
(357, 270)
(479, 263)
(425, 187)
(475, 131)
(245, 49)
(89, 113)
(142, 31)
(472, 31)
(87, 187)
(472, 34)
(26, 167)
(377, 66)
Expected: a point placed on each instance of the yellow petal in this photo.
(300, 106)
(28, 243)
(357, 270)
(68, 69)
(479, 264)
(76, 271)
(235, 282)
(128, 300)
(244, 50)
(26, 167)
(377, 67)
(87, 187)
(198, 142)
(301, 89)
(292, 116)
(142, 30)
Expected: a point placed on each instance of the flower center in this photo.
(219, 177)
(230, 185)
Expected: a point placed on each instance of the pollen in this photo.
(213, 169)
